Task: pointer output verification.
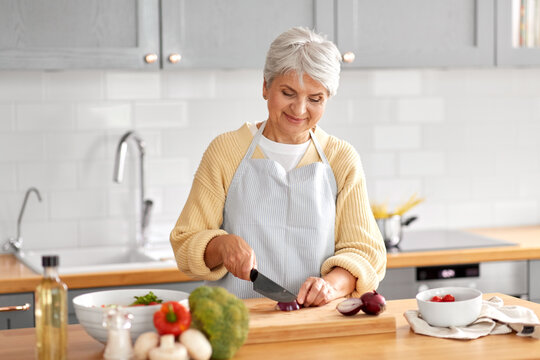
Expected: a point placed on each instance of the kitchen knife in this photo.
(269, 288)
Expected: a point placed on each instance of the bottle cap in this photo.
(49, 260)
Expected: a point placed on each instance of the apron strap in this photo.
(319, 148)
(257, 137)
(254, 142)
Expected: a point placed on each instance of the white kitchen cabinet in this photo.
(78, 34)
(416, 33)
(230, 33)
(17, 319)
(507, 54)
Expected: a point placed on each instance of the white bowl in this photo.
(461, 312)
(89, 310)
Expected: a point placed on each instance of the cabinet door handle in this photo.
(150, 58)
(175, 58)
(348, 57)
(15, 308)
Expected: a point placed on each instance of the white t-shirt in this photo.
(287, 155)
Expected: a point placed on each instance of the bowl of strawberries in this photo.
(449, 306)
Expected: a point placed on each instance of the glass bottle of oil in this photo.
(51, 312)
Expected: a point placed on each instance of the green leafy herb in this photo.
(148, 299)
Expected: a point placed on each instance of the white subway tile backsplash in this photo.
(21, 147)
(397, 83)
(98, 174)
(422, 163)
(529, 186)
(189, 84)
(486, 111)
(447, 188)
(339, 112)
(174, 199)
(354, 84)
(21, 85)
(123, 201)
(132, 85)
(396, 137)
(7, 115)
(105, 232)
(515, 162)
(50, 235)
(159, 115)
(380, 164)
(490, 187)
(35, 210)
(44, 117)
(103, 116)
(430, 215)
(8, 179)
(169, 172)
(466, 163)
(421, 110)
(470, 214)
(394, 191)
(78, 204)
(240, 84)
(516, 213)
(82, 146)
(465, 139)
(373, 110)
(47, 175)
(73, 85)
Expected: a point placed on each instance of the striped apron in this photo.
(287, 218)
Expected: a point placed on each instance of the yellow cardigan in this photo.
(359, 247)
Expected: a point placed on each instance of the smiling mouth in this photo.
(292, 118)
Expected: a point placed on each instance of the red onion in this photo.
(288, 306)
(373, 303)
(350, 306)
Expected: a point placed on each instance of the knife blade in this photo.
(269, 288)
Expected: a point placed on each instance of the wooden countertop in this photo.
(15, 277)
(403, 344)
(526, 238)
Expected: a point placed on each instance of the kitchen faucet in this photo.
(119, 164)
(16, 243)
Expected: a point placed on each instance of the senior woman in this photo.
(282, 195)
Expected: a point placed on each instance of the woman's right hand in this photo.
(233, 252)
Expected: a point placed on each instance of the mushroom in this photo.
(197, 344)
(144, 343)
(168, 350)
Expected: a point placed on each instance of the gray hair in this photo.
(305, 52)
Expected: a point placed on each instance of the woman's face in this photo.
(293, 109)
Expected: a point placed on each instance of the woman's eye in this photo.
(315, 100)
(287, 93)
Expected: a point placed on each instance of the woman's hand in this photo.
(233, 252)
(315, 291)
(320, 291)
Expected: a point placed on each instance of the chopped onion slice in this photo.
(350, 306)
(288, 306)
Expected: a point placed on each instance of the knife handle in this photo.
(253, 275)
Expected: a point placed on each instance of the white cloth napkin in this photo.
(494, 318)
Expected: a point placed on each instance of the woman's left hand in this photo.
(316, 291)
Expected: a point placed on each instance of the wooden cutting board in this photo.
(266, 324)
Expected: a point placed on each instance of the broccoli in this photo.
(222, 317)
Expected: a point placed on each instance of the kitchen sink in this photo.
(98, 259)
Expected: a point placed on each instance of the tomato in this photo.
(172, 318)
(436, 299)
(448, 298)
